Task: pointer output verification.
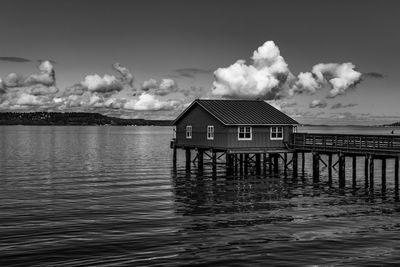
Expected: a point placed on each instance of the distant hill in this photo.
(393, 124)
(71, 118)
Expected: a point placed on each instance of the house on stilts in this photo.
(250, 134)
(243, 130)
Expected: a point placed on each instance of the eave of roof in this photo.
(199, 102)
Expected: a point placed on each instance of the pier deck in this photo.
(379, 145)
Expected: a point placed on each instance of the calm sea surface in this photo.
(108, 196)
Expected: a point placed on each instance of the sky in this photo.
(321, 62)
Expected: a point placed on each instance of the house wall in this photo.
(200, 119)
(260, 137)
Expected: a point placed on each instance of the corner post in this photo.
(316, 158)
(342, 170)
(354, 166)
(366, 168)
(330, 168)
(295, 164)
(258, 163)
(200, 162)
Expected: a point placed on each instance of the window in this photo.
(277, 133)
(244, 133)
(210, 132)
(189, 132)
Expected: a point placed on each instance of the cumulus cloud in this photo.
(260, 79)
(318, 104)
(106, 84)
(43, 90)
(126, 75)
(147, 102)
(161, 88)
(14, 80)
(306, 83)
(45, 77)
(340, 76)
(269, 77)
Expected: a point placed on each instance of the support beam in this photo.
(258, 163)
(371, 173)
(188, 159)
(229, 164)
(265, 163)
(383, 174)
(214, 164)
(366, 170)
(284, 164)
(241, 164)
(200, 163)
(270, 163)
(303, 164)
(276, 163)
(316, 158)
(342, 171)
(246, 164)
(330, 168)
(396, 176)
(354, 166)
(295, 164)
(236, 163)
(174, 157)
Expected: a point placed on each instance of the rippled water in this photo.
(108, 196)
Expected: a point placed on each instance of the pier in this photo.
(334, 151)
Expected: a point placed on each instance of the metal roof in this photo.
(242, 112)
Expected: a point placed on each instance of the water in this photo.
(107, 196)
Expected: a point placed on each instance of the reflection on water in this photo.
(107, 196)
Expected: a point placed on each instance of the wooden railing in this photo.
(346, 143)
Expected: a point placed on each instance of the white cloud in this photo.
(340, 76)
(45, 77)
(306, 83)
(105, 84)
(148, 102)
(260, 79)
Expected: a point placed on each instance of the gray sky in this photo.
(186, 41)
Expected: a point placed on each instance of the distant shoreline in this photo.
(73, 118)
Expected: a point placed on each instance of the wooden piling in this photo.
(295, 164)
(246, 164)
(200, 162)
(270, 163)
(276, 163)
(354, 166)
(174, 156)
(366, 170)
(284, 164)
(236, 163)
(342, 171)
(383, 174)
(188, 159)
(265, 163)
(229, 164)
(241, 164)
(258, 163)
(214, 164)
(396, 176)
(330, 168)
(316, 158)
(303, 164)
(371, 173)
